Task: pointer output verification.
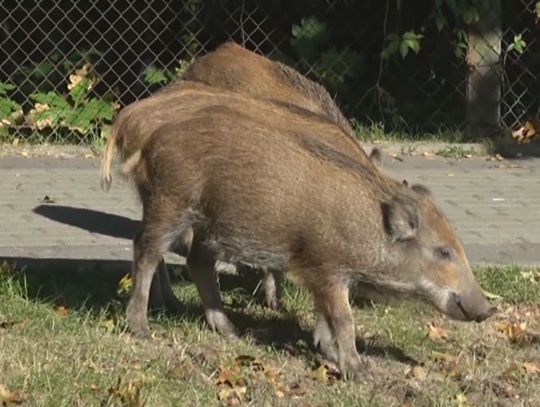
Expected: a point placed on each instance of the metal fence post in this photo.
(484, 72)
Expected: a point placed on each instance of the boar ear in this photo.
(401, 218)
(422, 190)
(376, 157)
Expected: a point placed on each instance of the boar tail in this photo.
(106, 177)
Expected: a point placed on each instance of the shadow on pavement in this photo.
(90, 220)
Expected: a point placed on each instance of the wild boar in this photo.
(259, 184)
(233, 67)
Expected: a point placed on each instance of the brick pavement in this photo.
(495, 207)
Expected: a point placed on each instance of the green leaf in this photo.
(452, 6)
(403, 49)
(155, 76)
(309, 36)
(55, 115)
(392, 45)
(519, 44)
(440, 21)
(470, 15)
(54, 100)
(98, 110)
(8, 107)
(80, 91)
(411, 35)
(5, 87)
(538, 9)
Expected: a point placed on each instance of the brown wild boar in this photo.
(233, 67)
(259, 184)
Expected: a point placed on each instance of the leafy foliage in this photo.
(408, 41)
(77, 111)
(160, 76)
(10, 110)
(311, 43)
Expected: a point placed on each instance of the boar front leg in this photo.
(200, 264)
(335, 327)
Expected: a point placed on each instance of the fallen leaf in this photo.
(11, 324)
(230, 377)
(526, 133)
(514, 331)
(531, 276)
(293, 391)
(47, 199)
(232, 396)
(417, 372)
(326, 373)
(531, 367)
(62, 311)
(436, 332)
(491, 296)
(124, 285)
(15, 142)
(128, 394)
(8, 397)
(109, 325)
(462, 401)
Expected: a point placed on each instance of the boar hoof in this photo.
(218, 321)
(355, 368)
(137, 322)
(273, 303)
(323, 338)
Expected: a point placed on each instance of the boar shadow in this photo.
(92, 285)
(91, 220)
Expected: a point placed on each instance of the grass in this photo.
(456, 152)
(63, 343)
(376, 132)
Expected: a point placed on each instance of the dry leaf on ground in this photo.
(8, 397)
(437, 332)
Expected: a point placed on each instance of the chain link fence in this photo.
(67, 67)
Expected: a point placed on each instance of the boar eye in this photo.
(444, 253)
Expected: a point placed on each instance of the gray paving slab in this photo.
(53, 208)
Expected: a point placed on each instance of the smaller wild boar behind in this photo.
(233, 67)
(279, 197)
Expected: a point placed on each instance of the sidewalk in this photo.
(52, 209)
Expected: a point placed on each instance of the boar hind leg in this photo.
(169, 301)
(148, 251)
(157, 300)
(272, 283)
(200, 264)
(335, 328)
(161, 294)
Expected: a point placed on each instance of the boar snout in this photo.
(471, 306)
